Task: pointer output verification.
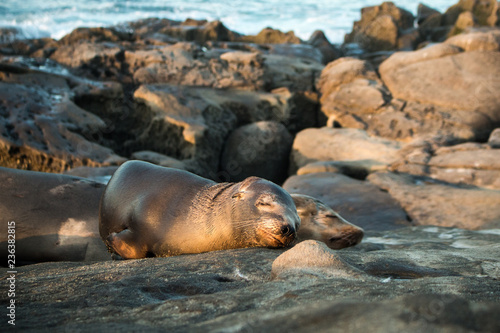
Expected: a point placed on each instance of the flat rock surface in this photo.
(413, 279)
(432, 202)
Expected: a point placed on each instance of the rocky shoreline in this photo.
(400, 135)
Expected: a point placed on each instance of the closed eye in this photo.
(331, 216)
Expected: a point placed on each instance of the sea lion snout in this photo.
(322, 223)
(336, 238)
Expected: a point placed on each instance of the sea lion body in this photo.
(320, 222)
(53, 217)
(148, 210)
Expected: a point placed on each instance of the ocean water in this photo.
(56, 18)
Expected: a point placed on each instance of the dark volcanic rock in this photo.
(42, 129)
(411, 279)
(259, 149)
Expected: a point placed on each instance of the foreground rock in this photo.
(416, 290)
(431, 202)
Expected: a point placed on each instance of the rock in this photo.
(341, 144)
(494, 140)
(339, 73)
(353, 96)
(192, 128)
(359, 202)
(462, 81)
(412, 279)
(431, 202)
(100, 60)
(477, 40)
(464, 21)
(272, 36)
(199, 31)
(380, 27)
(41, 47)
(191, 124)
(95, 35)
(458, 18)
(329, 51)
(304, 51)
(312, 257)
(259, 149)
(298, 75)
(41, 127)
(424, 12)
(55, 217)
(485, 12)
(187, 64)
(159, 159)
(467, 163)
(354, 169)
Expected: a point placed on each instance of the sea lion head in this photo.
(320, 222)
(271, 210)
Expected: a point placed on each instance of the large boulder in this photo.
(360, 202)
(259, 149)
(353, 96)
(380, 27)
(182, 124)
(432, 202)
(484, 12)
(447, 78)
(192, 123)
(341, 144)
(477, 40)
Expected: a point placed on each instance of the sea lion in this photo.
(320, 222)
(54, 217)
(148, 210)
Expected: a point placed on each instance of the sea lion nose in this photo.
(287, 230)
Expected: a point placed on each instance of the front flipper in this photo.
(125, 245)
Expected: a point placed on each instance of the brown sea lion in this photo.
(148, 210)
(320, 222)
(54, 217)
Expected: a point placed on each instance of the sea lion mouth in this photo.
(273, 240)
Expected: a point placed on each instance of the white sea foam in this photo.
(56, 18)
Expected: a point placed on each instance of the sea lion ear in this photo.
(238, 195)
(247, 182)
